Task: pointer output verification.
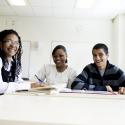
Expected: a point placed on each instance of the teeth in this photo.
(98, 62)
(11, 49)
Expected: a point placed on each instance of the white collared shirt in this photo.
(50, 75)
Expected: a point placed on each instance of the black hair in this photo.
(17, 56)
(59, 47)
(101, 46)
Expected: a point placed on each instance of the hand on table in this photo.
(121, 90)
(109, 89)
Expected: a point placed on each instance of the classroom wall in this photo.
(119, 40)
(42, 31)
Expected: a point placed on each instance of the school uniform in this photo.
(9, 81)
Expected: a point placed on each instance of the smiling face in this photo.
(10, 45)
(60, 58)
(100, 58)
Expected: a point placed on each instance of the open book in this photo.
(42, 89)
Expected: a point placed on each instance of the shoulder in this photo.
(70, 72)
(90, 66)
(70, 69)
(49, 66)
(114, 69)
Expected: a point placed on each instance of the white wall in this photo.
(119, 40)
(46, 30)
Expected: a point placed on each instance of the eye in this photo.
(61, 55)
(54, 56)
(16, 42)
(101, 54)
(7, 41)
(11, 42)
(94, 55)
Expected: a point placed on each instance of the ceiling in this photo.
(64, 8)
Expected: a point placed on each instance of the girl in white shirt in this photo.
(60, 73)
(10, 62)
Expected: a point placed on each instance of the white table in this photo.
(62, 109)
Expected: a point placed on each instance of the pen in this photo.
(38, 79)
(23, 90)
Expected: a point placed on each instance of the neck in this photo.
(102, 67)
(61, 68)
(9, 59)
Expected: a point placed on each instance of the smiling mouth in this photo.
(98, 62)
(58, 61)
(11, 49)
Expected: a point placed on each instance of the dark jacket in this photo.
(91, 79)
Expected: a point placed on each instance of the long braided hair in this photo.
(17, 57)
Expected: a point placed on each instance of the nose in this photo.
(57, 58)
(97, 58)
(13, 45)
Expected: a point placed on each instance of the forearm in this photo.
(78, 85)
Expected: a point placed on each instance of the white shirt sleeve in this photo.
(13, 86)
(41, 74)
(1, 80)
(3, 85)
(72, 76)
